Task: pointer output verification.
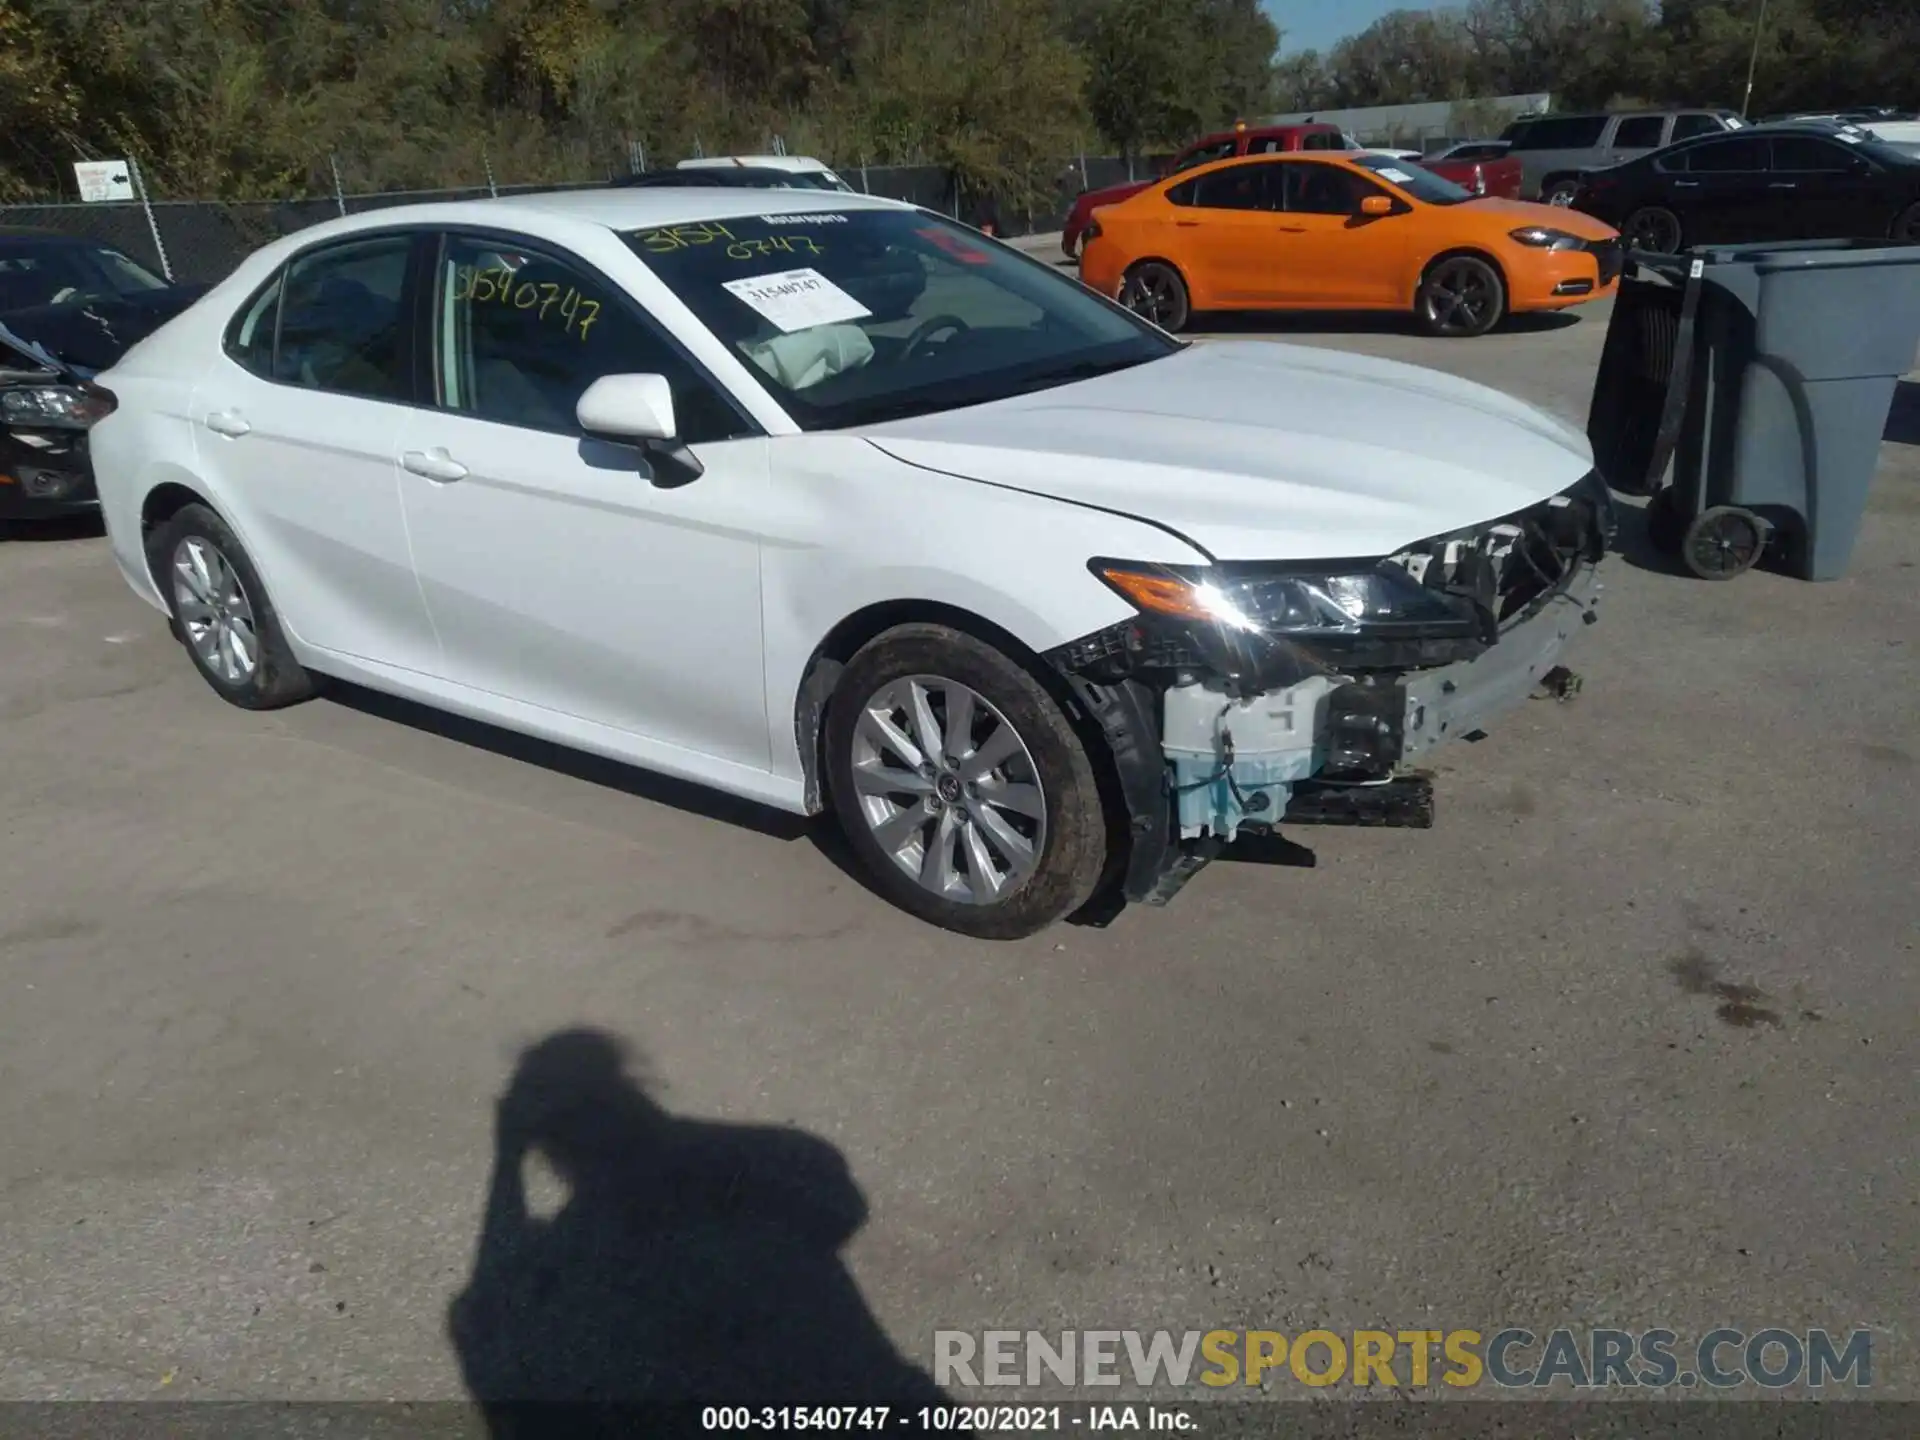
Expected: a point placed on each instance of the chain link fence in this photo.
(202, 240)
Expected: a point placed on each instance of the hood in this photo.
(91, 335)
(1556, 217)
(1257, 451)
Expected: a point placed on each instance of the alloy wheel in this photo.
(214, 611)
(948, 789)
(1150, 294)
(1461, 295)
(1656, 231)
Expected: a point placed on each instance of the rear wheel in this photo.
(1462, 296)
(1561, 191)
(1653, 228)
(221, 612)
(1155, 291)
(962, 786)
(1907, 227)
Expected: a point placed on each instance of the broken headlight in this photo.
(1306, 602)
(54, 407)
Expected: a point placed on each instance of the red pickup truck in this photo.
(1496, 175)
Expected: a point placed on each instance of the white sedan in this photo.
(845, 507)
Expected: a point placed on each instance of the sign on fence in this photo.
(103, 179)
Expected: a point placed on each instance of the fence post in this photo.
(699, 150)
(153, 226)
(339, 195)
(487, 163)
(865, 188)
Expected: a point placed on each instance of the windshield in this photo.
(856, 316)
(1422, 184)
(58, 274)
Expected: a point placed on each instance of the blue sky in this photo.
(1316, 24)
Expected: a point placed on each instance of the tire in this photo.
(891, 824)
(1070, 248)
(193, 557)
(1560, 191)
(1154, 291)
(1722, 542)
(1460, 296)
(1906, 225)
(1655, 229)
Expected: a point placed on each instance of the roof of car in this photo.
(640, 207)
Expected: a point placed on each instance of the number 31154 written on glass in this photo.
(566, 307)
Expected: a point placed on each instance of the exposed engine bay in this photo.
(1303, 693)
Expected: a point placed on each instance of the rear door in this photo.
(1226, 235)
(1636, 135)
(299, 427)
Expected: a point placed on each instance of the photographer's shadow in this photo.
(691, 1262)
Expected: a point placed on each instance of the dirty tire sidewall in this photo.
(278, 678)
(1074, 857)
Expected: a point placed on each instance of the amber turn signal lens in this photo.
(1159, 594)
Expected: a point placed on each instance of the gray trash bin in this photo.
(1777, 367)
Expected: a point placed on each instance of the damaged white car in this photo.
(845, 507)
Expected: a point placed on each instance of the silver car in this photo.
(1554, 149)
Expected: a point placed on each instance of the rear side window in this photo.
(1570, 132)
(341, 320)
(1639, 132)
(1686, 127)
(1727, 157)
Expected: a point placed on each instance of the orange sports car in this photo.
(1342, 231)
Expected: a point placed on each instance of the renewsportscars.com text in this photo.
(1511, 1358)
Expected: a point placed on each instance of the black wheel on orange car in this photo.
(1154, 291)
(1461, 296)
(1653, 228)
(1906, 226)
(1723, 541)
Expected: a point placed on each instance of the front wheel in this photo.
(221, 612)
(1154, 291)
(1462, 296)
(962, 786)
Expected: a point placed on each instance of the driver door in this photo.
(571, 574)
(1339, 256)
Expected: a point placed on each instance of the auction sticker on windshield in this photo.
(797, 299)
(1398, 177)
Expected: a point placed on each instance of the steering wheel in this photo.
(927, 329)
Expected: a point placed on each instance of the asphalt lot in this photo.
(1629, 1039)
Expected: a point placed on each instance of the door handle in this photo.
(1186, 224)
(1686, 184)
(1783, 185)
(435, 465)
(228, 423)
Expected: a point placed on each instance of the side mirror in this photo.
(638, 409)
(1376, 205)
(627, 408)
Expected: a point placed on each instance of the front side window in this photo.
(855, 316)
(521, 335)
(1202, 155)
(1416, 180)
(1325, 190)
(341, 319)
(1322, 140)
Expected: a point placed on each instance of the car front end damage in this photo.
(1247, 696)
(47, 406)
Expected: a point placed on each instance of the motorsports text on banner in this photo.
(1770, 1358)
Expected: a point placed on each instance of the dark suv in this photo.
(1554, 149)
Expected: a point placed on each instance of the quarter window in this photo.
(522, 335)
(250, 336)
(341, 320)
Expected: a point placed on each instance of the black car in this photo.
(1808, 181)
(69, 308)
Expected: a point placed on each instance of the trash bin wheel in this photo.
(1722, 542)
(1666, 525)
